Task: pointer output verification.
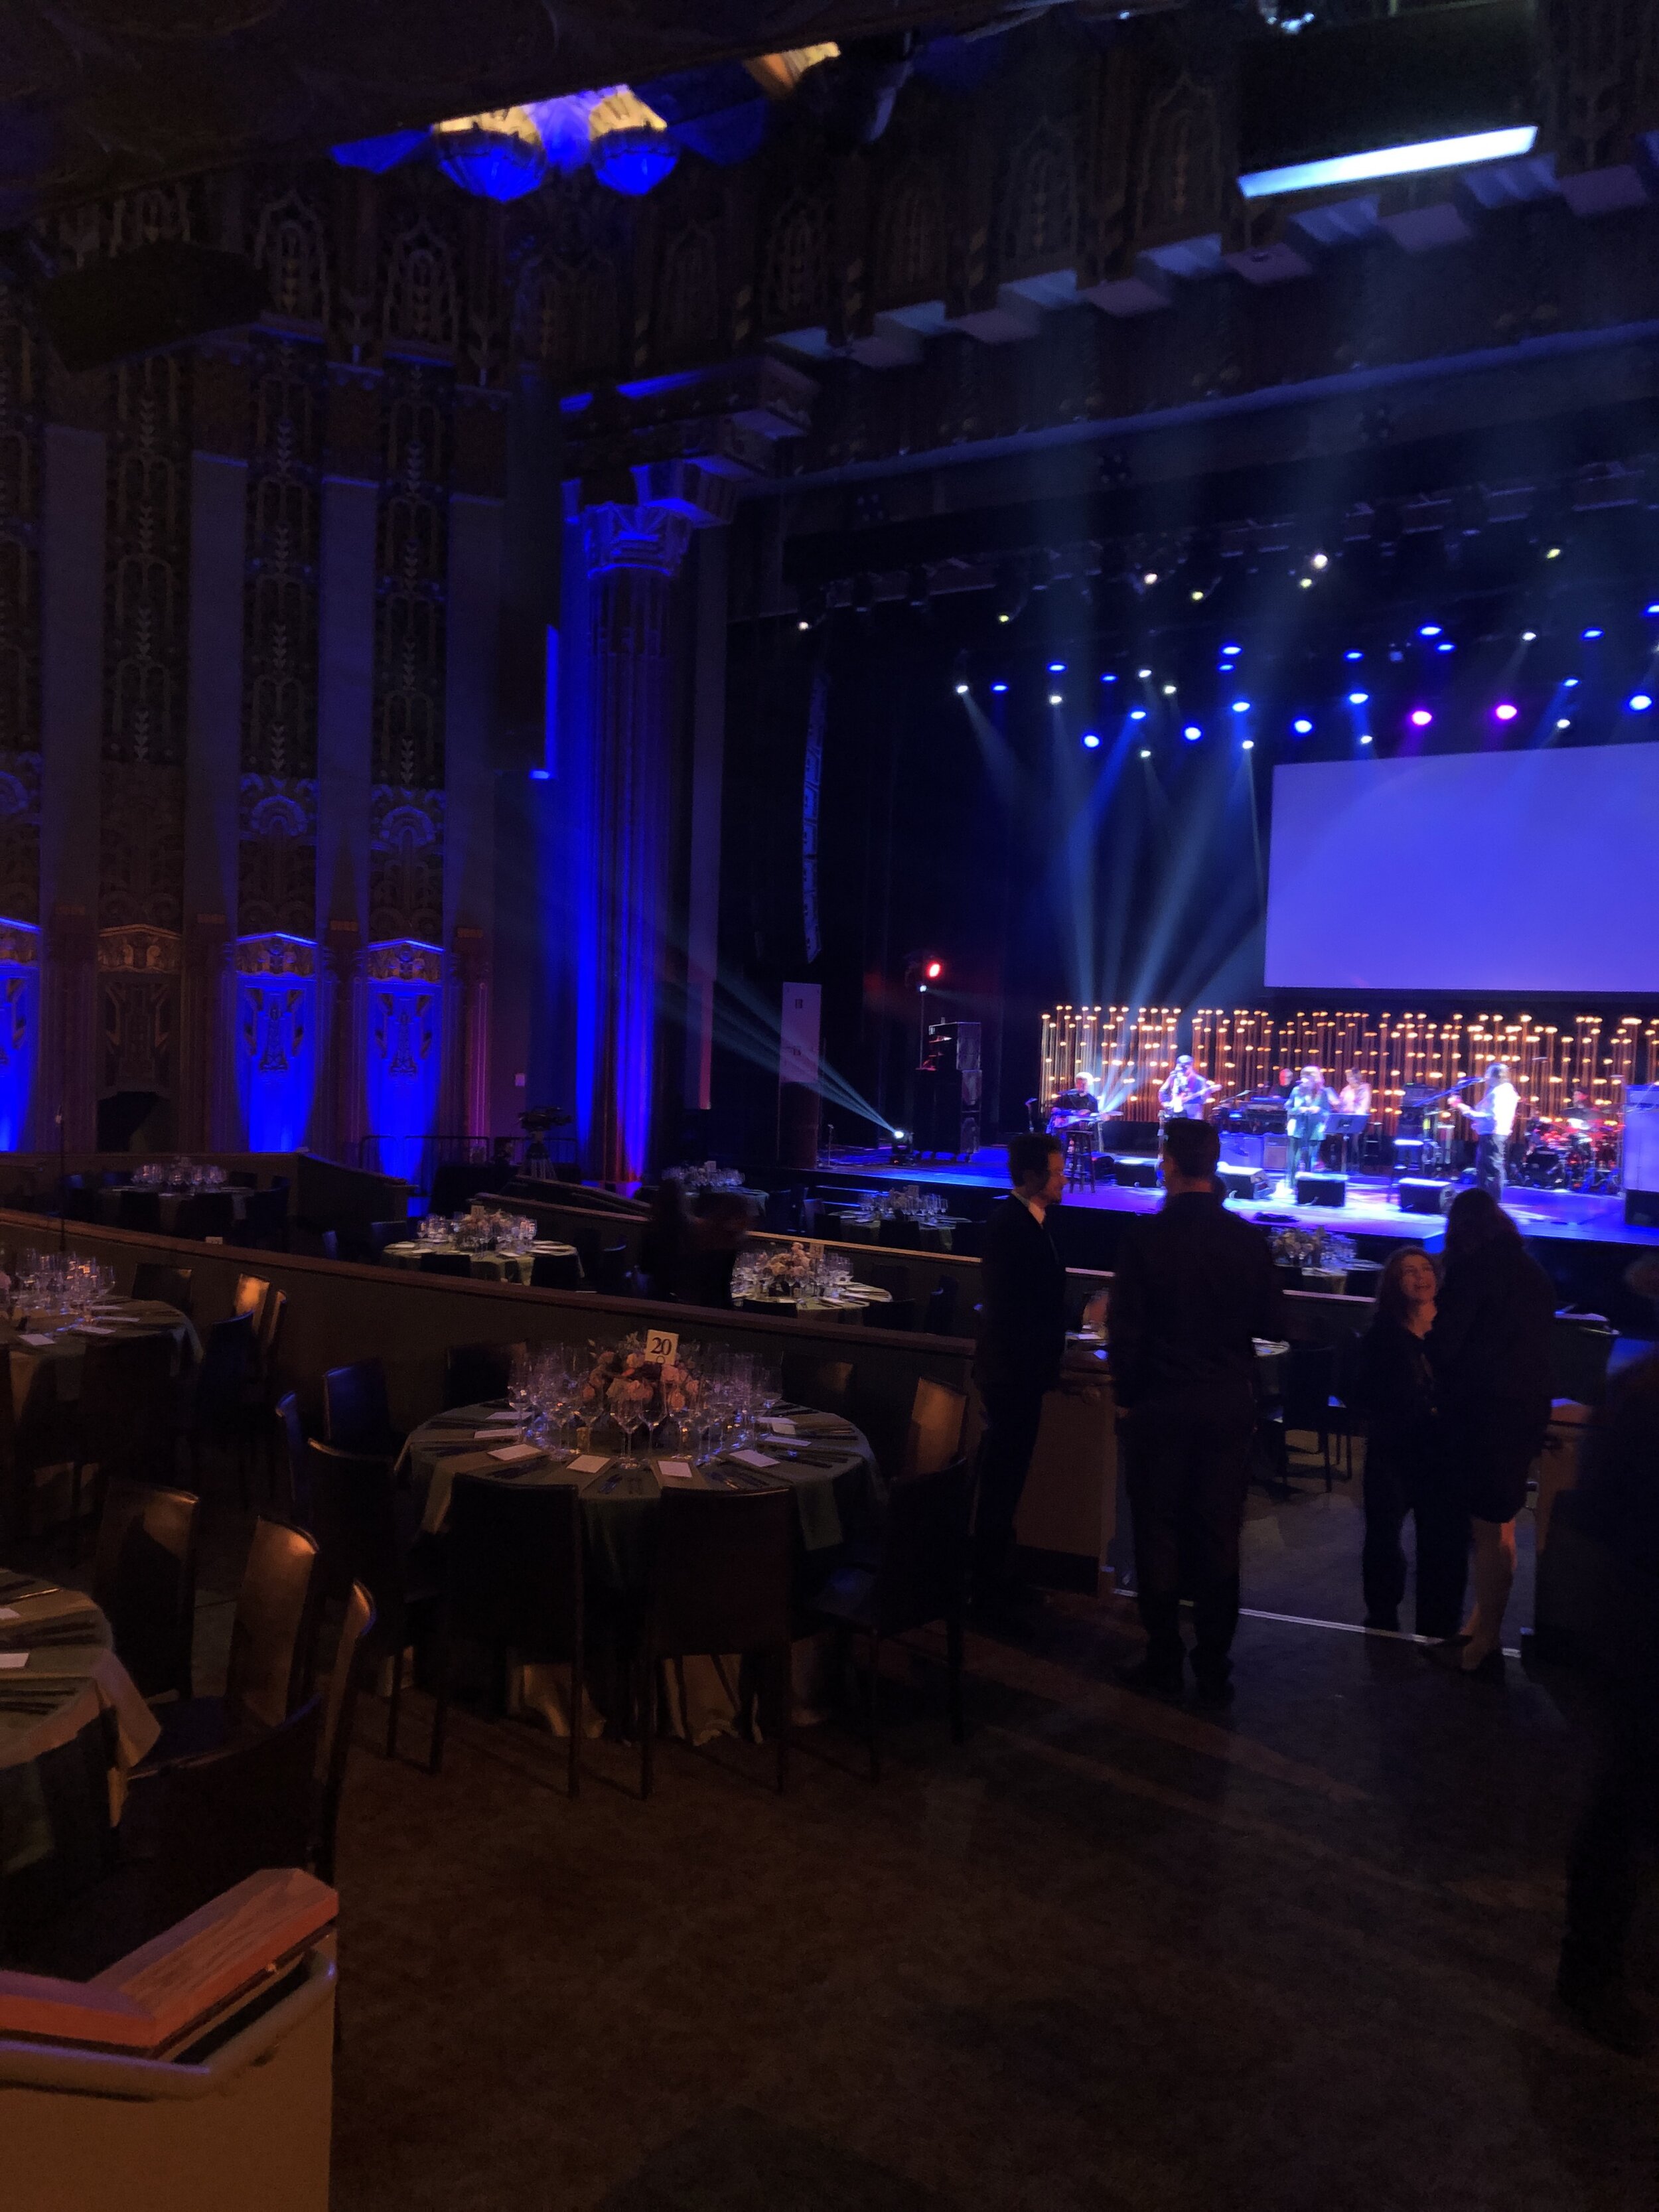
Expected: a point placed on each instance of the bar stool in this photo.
(1080, 1157)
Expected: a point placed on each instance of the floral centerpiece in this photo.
(779, 1274)
(621, 1377)
(489, 1229)
(1318, 1251)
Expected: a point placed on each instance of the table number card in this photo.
(661, 1343)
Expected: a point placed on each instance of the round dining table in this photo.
(73, 1726)
(845, 1303)
(483, 1266)
(826, 1462)
(938, 1235)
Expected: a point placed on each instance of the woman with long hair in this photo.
(1392, 1387)
(1490, 1345)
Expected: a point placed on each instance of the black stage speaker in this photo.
(1246, 1181)
(1642, 1209)
(799, 1108)
(1418, 1195)
(1321, 1190)
(157, 296)
(1135, 1175)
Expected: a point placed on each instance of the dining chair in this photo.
(140, 1210)
(937, 1415)
(123, 1417)
(143, 1581)
(897, 1312)
(475, 1373)
(918, 1577)
(170, 1285)
(942, 1308)
(556, 1271)
(379, 1234)
(293, 1464)
(1305, 1403)
(514, 1582)
(250, 1296)
(724, 1565)
(354, 1517)
(825, 1384)
(353, 1656)
(356, 1413)
(215, 1411)
(272, 1640)
(189, 1832)
(206, 1213)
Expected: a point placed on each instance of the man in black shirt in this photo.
(1194, 1286)
(1022, 1347)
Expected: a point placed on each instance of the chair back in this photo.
(207, 1214)
(942, 1308)
(139, 1209)
(143, 1580)
(897, 1312)
(1580, 1348)
(611, 1279)
(379, 1234)
(1310, 1379)
(355, 1414)
(272, 1322)
(826, 1385)
(351, 1660)
(252, 1292)
(234, 1812)
(150, 1280)
(123, 1418)
(264, 1217)
(227, 1363)
(937, 1415)
(354, 1517)
(273, 1635)
(515, 1565)
(293, 1461)
(556, 1270)
(723, 1570)
(924, 1548)
(475, 1372)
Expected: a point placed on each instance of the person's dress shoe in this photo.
(1162, 1681)
(1604, 2011)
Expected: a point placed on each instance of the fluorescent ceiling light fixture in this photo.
(1392, 161)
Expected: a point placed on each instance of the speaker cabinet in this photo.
(1135, 1175)
(1321, 1190)
(1418, 1195)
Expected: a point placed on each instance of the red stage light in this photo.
(935, 969)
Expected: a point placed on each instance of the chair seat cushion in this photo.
(847, 1600)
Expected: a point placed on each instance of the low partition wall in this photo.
(321, 1192)
(339, 1311)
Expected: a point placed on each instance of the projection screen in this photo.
(1514, 872)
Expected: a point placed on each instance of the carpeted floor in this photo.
(1108, 1953)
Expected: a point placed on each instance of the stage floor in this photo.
(1574, 1216)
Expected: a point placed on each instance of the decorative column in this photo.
(73, 508)
(707, 795)
(218, 545)
(472, 643)
(633, 555)
(345, 709)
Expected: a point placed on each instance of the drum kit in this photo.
(1573, 1151)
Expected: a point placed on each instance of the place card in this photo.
(92, 1328)
(512, 1453)
(38, 1336)
(590, 1463)
(779, 1426)
(674, 1470)
(12, 1661)
(9, 1612)
(751, 1459)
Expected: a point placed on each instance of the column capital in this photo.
(690, 441)
(652, 537)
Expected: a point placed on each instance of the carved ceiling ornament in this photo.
(405, 864)
(142, 845)
(912, 253)
(1040, 201)
(796, 288)
(290, 246)
(650, 537)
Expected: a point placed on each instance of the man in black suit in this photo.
(1022, 1346)
(1194, 1286)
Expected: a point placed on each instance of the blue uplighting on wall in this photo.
(276, 1040)
(379, 154)
(20, 1022)
(402, 1056)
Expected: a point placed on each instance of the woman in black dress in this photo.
(1491, 1349)
(1392, 1387)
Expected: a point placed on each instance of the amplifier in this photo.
(1641, 1156)
(1276, 1156)
(1321, 1190)
(1240, 1150)
(1135, 1175)
(1418, 1194)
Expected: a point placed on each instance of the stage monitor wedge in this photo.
(1528, 871)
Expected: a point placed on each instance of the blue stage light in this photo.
(1653, 609)
(1056, 668)
(1055, 699)
(1445, 646)
(1354, 653)
(999, 687)
(541, 775)
(1640, 703)
(1365, 739)
(1192, 733)
(1506, 710)
(1303, 727)
(1137, 714)
(1429, 630)
(1091, 740)
(1108, 678)
(1570, 683)
(1241, 706)
(1146, 752)
(1358, 698)
(1591, 633)
(1249, 745)
(1232, 648)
